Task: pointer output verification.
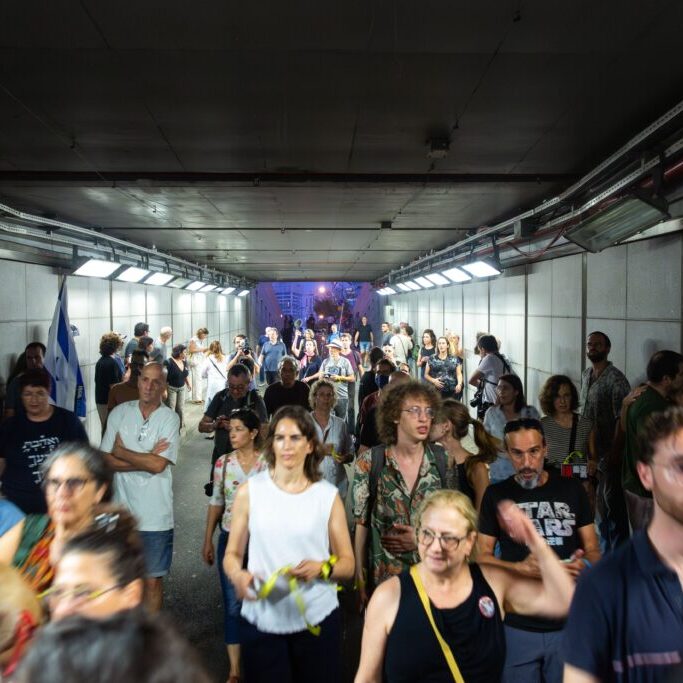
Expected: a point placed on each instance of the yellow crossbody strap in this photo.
(447, 653)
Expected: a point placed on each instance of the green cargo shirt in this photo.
(394, 504)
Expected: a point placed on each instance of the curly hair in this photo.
(316, 387)
(306, 425)
(551, 389)
(391, 404)
(109, 343)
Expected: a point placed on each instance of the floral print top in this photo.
(225, 487)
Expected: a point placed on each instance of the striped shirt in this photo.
(557, 438)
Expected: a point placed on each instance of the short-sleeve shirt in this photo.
(25, 445)
(491, 368)
(10, 516)
(131, 346)
(445, 370)
(340, 367)
(271, 355)
(107, 373)
(13, 395)
(158, 352)
(148, 496)
(364, 333)
(625, 624)
(601, 403)
(223, 404)
(225, 486)
(394, 504)
(558, 509)
(558, 438)
(650, 401)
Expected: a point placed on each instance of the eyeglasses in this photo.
(237, 387)
(77, 594)
(446, 541)
(673, 471)
(416, 411)
(523, 423)
(71, 485)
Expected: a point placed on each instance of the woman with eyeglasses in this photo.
(444, 371)
(231, 470)
(299, 547)
(101, 570)
(75, 479)
(510, 405)
(443, 619)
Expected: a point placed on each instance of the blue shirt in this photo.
(271, 354)
(626, 620)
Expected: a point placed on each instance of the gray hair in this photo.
(92, 459)
(288, 359)
(316, 387)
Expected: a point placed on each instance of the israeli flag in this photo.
(61, 361)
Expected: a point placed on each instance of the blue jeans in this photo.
(231, 605)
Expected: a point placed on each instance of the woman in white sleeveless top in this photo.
(291, 519)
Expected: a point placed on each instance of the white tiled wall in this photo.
(632, 293)
(29, 295)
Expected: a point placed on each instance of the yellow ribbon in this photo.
(295, 590)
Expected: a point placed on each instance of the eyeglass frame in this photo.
(73, 484)
(50, 594)
(440, 537)
(417, 412)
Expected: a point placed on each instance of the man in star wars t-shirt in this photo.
(561, 513)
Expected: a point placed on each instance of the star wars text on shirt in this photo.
(553, 520)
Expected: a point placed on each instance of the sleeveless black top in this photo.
(473, 630)
(464, 485)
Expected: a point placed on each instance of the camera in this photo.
(246, 348)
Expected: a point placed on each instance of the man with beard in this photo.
(664, 381)
(603, 389)
(561, 513)
(626, 619)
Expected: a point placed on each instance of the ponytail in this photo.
(487, 448)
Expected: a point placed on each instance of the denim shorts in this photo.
(364, 346)
(158, 548)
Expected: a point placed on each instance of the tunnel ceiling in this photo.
(272, 139)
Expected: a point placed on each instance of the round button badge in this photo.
(486, 607)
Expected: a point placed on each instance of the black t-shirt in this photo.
(364, 332)
(223, 404)
(25, 445)
(558, 509)
(276, 396)
(107, 372)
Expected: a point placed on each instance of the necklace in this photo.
(301, 489)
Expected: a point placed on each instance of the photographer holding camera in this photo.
(242, 352)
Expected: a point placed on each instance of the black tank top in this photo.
(463, 483)
(473, 630)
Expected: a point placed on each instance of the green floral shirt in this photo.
(394, 504)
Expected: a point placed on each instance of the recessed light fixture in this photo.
(424, 282)
(97, 268)
(208, 288)
(437, 279)
(132, 274)
(228, 290)
(244, 292)
(180, 282)
(195, 286)
(413, 285)
(456, 275)
(158, 279)
(403, 287)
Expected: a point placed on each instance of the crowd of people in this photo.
(481, 542)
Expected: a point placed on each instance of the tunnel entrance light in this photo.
(158, 279)
(208, 288)
(132, 274)
(456, 275)
(437, 279)
(195, 286)
(403, 287)
(244, 292)
(413, 285)
(483, 268)
(424, 282)
(97, 268)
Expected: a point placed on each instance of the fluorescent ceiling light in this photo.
(97, 268)
(482, 268)
(195, 286)
(228, 290)
(437, 279)
(620, 220)
(390, 290)
(208, 288)
(159, 279)
(132, 274)
(244, 292)
(456, 275)
(424, 282)
(383, 291)
(180, 282)
(403, 287)
(413, 285)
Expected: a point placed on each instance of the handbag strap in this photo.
(447, 653)
(572, 437)
(217, 368)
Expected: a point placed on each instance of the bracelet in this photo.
(326, 569)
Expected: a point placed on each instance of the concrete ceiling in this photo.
(271, 139)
